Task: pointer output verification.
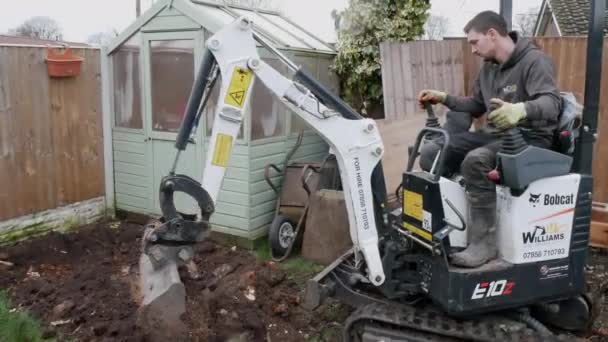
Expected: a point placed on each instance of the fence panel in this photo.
(410, 67)
(51, 144)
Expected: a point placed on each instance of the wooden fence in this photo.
(51, 145)
(409, 67)
(450, 66)
(569, 56)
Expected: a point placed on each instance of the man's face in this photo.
(483, 45)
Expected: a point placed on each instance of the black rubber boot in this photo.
(481, 229)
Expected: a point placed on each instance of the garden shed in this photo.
(147, 74)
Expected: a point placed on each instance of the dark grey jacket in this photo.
(528, 77)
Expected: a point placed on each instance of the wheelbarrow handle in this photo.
(305, 175)
(267, 176)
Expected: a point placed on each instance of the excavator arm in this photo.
(232, 54)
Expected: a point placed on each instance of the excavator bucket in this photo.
(164, 295)
(167, 243)
(162, 288)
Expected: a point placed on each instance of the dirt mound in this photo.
(237, 297)
(78, 283)
(83, 286)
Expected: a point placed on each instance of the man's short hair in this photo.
(486, 20)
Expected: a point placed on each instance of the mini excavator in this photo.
(397, 275)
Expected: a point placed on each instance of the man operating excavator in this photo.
(516, 85)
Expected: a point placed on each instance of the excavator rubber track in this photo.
(381, 322)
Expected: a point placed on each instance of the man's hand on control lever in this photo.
(432, 96)
(505, 114)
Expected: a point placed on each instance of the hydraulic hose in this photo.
(533, 323)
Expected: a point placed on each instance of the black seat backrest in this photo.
(568, 122)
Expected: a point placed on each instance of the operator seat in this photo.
(519, 164)
(568, 124)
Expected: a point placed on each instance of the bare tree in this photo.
(102, 38)
(435, 27)
(40, 28)
(525, 22)
(336, 16)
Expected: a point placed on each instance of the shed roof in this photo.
(273, 26)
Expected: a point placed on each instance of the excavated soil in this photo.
(83, 287)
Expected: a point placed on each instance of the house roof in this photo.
(18, 40)
(572, 16)
(272, 26)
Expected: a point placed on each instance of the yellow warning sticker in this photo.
(239, 84)
(418, 231)
(412, 204)
(221, 152)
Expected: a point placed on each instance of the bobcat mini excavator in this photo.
(397, 274)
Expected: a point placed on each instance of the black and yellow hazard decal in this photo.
(417, 231)
(221, 152)
(412, 207)
(412, 204)
(239, 85)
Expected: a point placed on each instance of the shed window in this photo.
(309, 64)
(210, 109)
(267, 112)
(172, 74)
(126, 85)
(327, 76)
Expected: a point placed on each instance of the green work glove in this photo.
(507, 114)
(432, 96)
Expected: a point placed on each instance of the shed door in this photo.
(170, 62)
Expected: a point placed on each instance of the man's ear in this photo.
(492, 33)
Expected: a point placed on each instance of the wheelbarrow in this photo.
(299, 180)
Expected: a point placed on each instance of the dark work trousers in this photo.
(473, 153)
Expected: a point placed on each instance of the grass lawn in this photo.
(295, 265)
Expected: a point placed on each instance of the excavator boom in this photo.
(232, 54)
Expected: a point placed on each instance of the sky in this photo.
(315, 15)
(81, 18)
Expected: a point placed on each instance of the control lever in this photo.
(431, 120)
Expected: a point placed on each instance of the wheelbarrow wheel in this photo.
(281, 235)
